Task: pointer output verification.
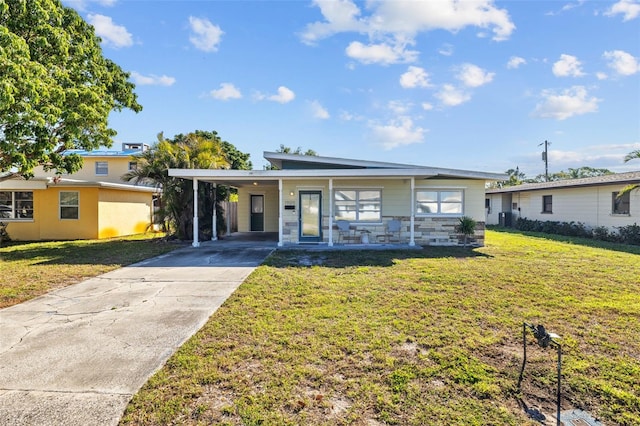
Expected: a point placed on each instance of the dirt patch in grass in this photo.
(411, 338)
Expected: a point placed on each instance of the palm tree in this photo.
(185, 152)
(466, 226)
(630, 156)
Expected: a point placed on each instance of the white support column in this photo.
(280, 212)
(330, 197)
(412, 241)
(195, 243)
(214, 221)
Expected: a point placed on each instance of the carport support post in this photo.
(330, 212)
(280, 212)
(195, 243)
(214, 221)
(412, 241)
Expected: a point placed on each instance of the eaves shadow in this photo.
(284, 258)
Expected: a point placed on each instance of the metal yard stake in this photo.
(545, 339)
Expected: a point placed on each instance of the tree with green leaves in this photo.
(466, 226)
(630, 156)
(56, 87)
(196, 150)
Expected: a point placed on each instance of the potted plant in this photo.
(466, 226)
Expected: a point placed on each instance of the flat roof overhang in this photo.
(240, 178)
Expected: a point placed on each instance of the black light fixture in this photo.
(545, 339)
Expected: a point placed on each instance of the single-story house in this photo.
(324, 200)
(92, 203)
(592, 201)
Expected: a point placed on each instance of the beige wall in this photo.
(396, 204)
(589, 205)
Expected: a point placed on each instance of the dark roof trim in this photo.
(613, 179)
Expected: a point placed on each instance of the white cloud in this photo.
(622, 62)
(446, 50)
(392, 17)
(398, 132)
(601, 76)
(152, 79)
(414, 77)
(318, 110)
(449, 95)
(382, 53)
(427, 106)
(567, 66)
(515, 62)
(473, 76)
(629, 8)
(225, 92)
(349, 116)
(112, 34)
(399, 107)
(565, 104)
(205, 35)
(283, 96)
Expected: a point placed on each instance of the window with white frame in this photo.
(620, 204)
(69, 205)
(102, 168)
(439, 202)
(16, 205)
(358, 205)
(133, 165)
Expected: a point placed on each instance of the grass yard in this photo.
(28, 270)
(429, 337)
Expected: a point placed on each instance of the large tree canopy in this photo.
(56, 87)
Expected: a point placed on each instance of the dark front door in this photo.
(257, 213)
(310, 216)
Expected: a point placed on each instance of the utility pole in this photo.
(545, 158)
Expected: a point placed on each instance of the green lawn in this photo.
(28, 270)
(428, 337)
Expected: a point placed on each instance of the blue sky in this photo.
(457, 84)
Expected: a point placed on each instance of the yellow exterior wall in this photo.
(103, 213)
(123, 213)
(117, 166)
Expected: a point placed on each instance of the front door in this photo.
(257, 213)
(310, 216)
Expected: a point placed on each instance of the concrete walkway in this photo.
(77, 355)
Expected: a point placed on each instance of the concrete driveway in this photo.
(77, 355)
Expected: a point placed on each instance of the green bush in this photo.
(629, 234)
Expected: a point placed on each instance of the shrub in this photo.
(629, 234)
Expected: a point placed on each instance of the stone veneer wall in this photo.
(427, 231)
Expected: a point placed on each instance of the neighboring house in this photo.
(313, 199)
(92, 203)
(591, 201)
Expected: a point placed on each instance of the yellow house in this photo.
(92, 203)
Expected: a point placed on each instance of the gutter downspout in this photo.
(195, 243)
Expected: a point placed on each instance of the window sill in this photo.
(546, 212)
(440, 215)
(620, 214)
